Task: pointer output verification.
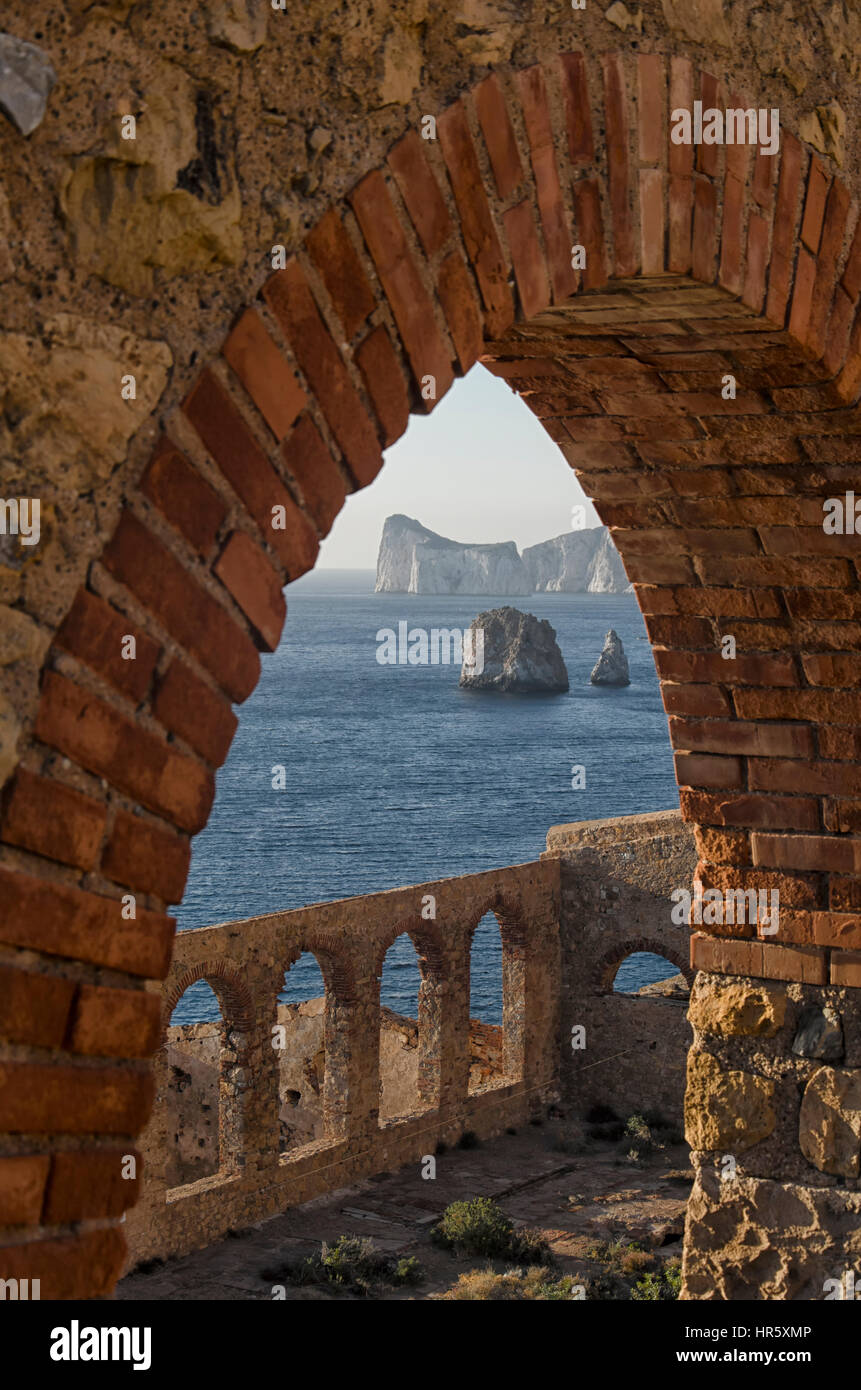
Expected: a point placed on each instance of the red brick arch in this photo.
(234, 997)
(699, 263)
(609, 963)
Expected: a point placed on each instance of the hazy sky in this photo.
(480, 468)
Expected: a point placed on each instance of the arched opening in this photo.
(645, 974)
(400, 1050)
(299, 1040)
(496, 1005)
(205, 1080)
(697, 501)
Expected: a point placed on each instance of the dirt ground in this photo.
(573, 1182)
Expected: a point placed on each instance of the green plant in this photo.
(663, 1286)
(537, 1282)
(352, 1263)
(478, 1227)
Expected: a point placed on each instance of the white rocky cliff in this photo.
(577, 562)
(520, 653)
(414, 560)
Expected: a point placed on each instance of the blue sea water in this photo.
(394, 775)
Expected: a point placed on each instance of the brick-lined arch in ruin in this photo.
(609, 964)
(699, 264)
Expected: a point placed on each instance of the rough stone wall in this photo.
(441, 247)
(616, 880)
(773, 1112)
(193, 1057)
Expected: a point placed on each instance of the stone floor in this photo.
(577, 1189)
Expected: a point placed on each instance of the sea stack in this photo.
(611, 668)
(517, 653)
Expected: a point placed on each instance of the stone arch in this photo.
(441, 256)
(612, 959)
(233, 995)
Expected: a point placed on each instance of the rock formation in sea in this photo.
(577, 562)
(611, 668)
(414, 560)
(519, 653)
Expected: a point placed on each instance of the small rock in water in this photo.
(512, 651)
(611, 667)
(26, 79)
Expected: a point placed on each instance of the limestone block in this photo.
(621, 16)
(728, 1110)
(238, 24)
(20, 637)
(761, 1240)
(26, 80)
(739, 1009)
(703, 21)
(62, 414)
(168, 199)
(829, 1125)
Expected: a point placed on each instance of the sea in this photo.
(393, 775)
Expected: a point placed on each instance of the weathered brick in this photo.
(831, 245)
(62, 921)
(384, 383)
(115, 1022)
(189, 707)
(337, 260)
(183, 497)
(527, 258)
(248, 576)
(746, 810)
(142, 856)
(22, 1189)
(421, 193)
(757, 263)
(37, 1099)
(309, 461)
(476, 222)
(498, 135)
(139, 560)
(785, 222)
(616, 114)
(707, 770)
(89, 1185)
(132, 759)
(265, 372)
(707, 157)
(801, 852)
(590, 229)
(705, 230)
(290, 299)
(48, 818)
(548, 189)
(802, 295)
(814, 205)
(651, 102)
(846, 969)
(95, 633)
(461, 309)
(652, 221)
(250, 473)
(704, 668)
(578, 116)
(34, 1008)
(702, 701)
(738, 737)
(410, 302)
(87, 1266)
